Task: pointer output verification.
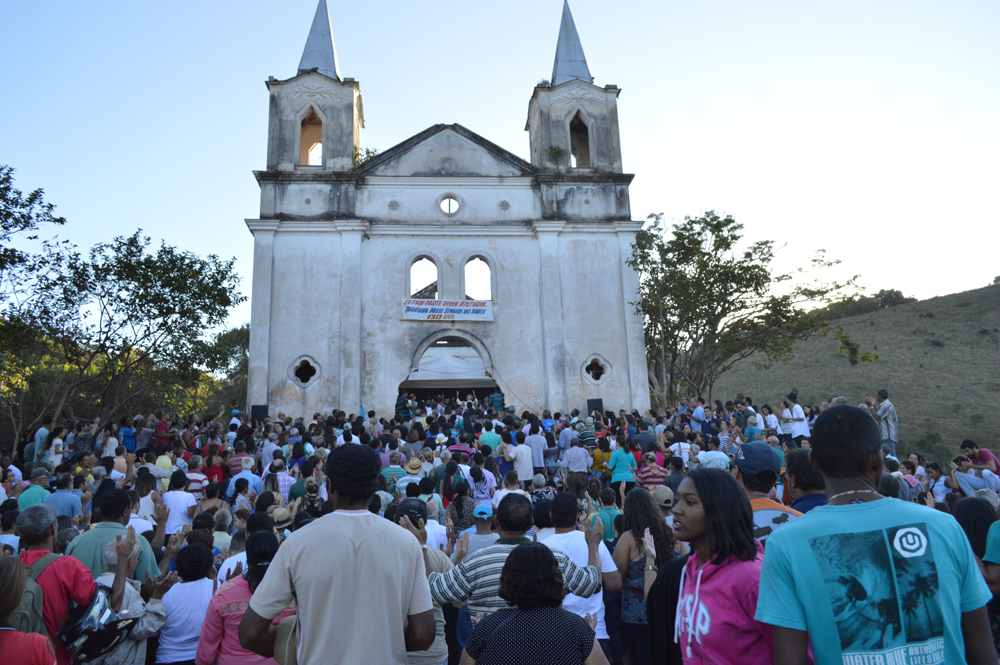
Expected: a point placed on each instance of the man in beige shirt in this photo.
(350, 572)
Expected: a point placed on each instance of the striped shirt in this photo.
(888, 423)
(476, 579)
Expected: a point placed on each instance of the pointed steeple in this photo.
(320, 52)
(570, 62)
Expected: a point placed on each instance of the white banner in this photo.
(447, 310)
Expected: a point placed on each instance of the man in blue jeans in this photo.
(884, 413)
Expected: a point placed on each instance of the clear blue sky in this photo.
(868, 128)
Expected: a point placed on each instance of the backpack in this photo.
(29, 619)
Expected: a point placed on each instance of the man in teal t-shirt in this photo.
(607, 513)
(868, 579)
(37, 492)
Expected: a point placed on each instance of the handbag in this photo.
(286, 641)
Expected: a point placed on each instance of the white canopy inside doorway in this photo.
(447, 371)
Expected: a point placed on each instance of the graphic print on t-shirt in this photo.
(883, 588)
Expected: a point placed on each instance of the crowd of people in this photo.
(459, 531)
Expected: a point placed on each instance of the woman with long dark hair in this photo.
(54, 445)
(721, 579)
(641, 516)
(461, 507)
(485, 483)
(447, 489)
(976, 516)
(15, 646)
(219, 641)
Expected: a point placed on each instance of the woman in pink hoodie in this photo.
(719, 584)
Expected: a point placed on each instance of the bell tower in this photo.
(315, 117)
(572, 123)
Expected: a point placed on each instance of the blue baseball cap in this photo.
(483, 511)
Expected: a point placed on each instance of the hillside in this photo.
(938, 358)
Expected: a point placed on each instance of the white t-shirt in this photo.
(574, 545)
(185, 606)
(504, 492)
(57, 452)
(177, 502)
(140, 525)
(682, 449)
(376, 561)
(437, 535)
(522, 462)
(786, 428)
(230, 563)
(799, 427)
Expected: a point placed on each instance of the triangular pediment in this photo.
(447, 150)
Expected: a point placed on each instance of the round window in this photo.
(449, 205)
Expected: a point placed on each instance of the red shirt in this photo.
(161, 428)
(214, 473)
(64, 579)
(25, 648)
(236, 462)
(648, 477)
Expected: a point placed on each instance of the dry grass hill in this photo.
(939, 359)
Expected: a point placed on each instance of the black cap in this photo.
(793, 396)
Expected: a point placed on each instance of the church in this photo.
(446, 263)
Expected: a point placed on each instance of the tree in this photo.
(123, 314)
(228, 357)
(707, 303)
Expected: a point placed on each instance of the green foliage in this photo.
(113, 330)
(362, 155)
(20, 218)
(556, 151)
(859, 305)
(707, 302)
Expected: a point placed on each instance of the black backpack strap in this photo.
(39, 566)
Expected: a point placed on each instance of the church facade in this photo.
(335, 320)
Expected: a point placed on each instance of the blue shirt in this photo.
(256, 484)
(40, 453)
(883, 581)
(807, 502)
(700, 414)
(127, 437)
(64, 502)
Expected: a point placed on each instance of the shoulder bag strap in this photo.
(39, 566)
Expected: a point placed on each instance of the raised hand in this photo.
(124, 547)
(591, 620)
(236, 571)
(161, 513)
(648, 546)
(161, 585)
(594, 534)
(463, 547)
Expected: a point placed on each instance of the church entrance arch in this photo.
(447, 361)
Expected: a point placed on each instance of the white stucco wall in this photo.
(330, 289)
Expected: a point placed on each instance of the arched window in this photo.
(478, 280)
(424, 279)
(579, 143)
(311, 143)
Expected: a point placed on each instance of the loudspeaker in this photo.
(595, 405)
(258, 412)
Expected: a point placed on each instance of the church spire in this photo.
(570, 62)
(320, 52)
